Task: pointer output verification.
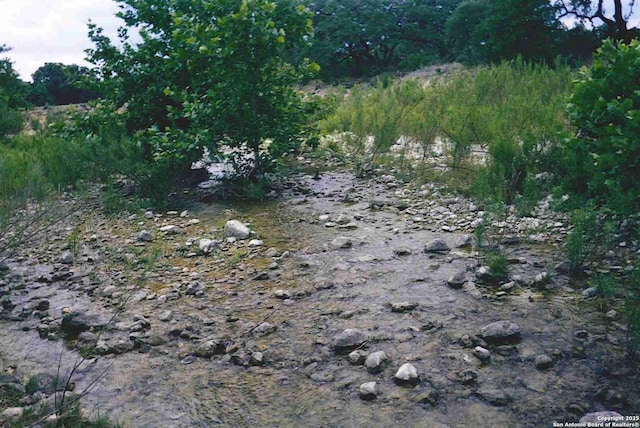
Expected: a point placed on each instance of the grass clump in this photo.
(500, 121)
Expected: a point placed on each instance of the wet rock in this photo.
(145, 236)
(457, 280)
(42, 305)
(75, 323)
(195, 288)
(236, 229)
(493, 396)
(170, 229)
(590, 292)
(612, 398)
(47, 383)
(406, 374)
(368, 391)
(206, 245)
(282, 294)
(11, 414)
(156, 340)
(482, 354)
(563, 267)
(257, 359)
(437, 245)
(121, 347)
(341, 242)
(265, 329)
(66, 258)
(108, 290)
(468, 377)
(427, 396)
(87, 338)
(508, 286)
(349, 339)
(357, 357)
(540, 279)
(464, 241)
(501, 332)
(601, 417)
(483, 273)
(261, 276)
(322, 376)
(543, 362)
(402, 251)
(375, 361)
(165, 316)
(210, 348)
(403, 306)
(189, 359)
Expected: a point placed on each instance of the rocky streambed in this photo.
(343, 303)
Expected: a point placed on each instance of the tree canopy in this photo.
(208, 74)
(616, 22)
(56, 83)
(359, 37)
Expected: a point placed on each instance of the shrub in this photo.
(603, 158)
(590, 239)
(509, 113)
(10, 119)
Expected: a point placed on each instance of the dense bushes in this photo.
(207, 75)
(500, 121)
(603, 158)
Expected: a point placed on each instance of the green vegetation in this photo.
(210, 75)
(603, 157)
(59, 84)
(500, 121)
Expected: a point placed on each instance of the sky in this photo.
(40, 31)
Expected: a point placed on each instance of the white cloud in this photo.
(40, 31)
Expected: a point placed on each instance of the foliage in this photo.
(11, 97)
(361, 38)
(15, 90)
(60, 84)
(603, 158)
(10, 119)
(497, 263)
(597, 13)
(500, 121)
(491, 31)
(207, 74)
(589, 240)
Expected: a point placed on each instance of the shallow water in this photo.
(303, 382)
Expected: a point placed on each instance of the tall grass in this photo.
(501, 121)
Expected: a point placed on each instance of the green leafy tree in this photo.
(60, 84)
(11, 97)
(207, 74)
(14, 89)
(360, 37)
(603, 159)
(491, 31)
(596, 13)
